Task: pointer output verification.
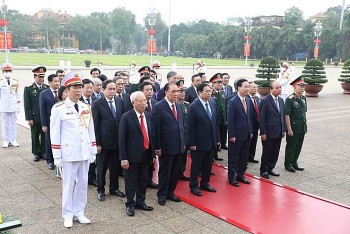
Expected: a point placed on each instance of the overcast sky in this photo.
(181, 10)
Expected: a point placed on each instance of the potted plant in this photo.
(314, 76)
(87, 62)
(267, 71)
(345, 77)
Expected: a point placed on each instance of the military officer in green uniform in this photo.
(295, 107)
(32, 112)
(221, 105)
(184, 106)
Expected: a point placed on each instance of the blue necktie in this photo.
(112, 108)
(207, 110)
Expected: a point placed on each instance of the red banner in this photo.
(8, 38)
(316, 52)
(3, 22)
(246, 49)
(151, 46)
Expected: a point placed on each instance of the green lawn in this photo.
(32, 59)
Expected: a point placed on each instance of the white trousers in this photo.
(74, 188)
(9, 126)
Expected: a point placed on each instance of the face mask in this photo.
(8, 74)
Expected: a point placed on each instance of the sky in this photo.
(182, 11)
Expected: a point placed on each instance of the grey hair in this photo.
(134, 95)
(96, 80)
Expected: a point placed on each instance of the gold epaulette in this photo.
(60, 103)
(291, 96)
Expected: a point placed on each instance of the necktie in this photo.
(277, 104)
(144, 133)
(76, 107)
(149, 106)
(119, 95)
(112, 108)
(88, 100)
(208, 110)
(244, 105)
(174, 111)
(98, 95)
(56, 96)
(256, 109)
(40, 87)
(8, 81)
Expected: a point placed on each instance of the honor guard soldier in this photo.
(9, 106)
(295, 110)
(32, 112)
(73, 147)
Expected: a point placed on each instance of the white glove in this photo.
(57, 162)
(93, 158)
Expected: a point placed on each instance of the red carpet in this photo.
(266, 207)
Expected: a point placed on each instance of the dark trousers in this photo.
(293, 149)
(48, 149)
(253, 142)
(135, 180)
(150, 173)
(108, 158)
(238, 158)
(201, 162)
(183, 162)
(38, 139)
(92, 171)
(168, 174)
(271, 150)
(223, 134)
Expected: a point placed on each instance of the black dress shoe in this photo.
(219, 159)
(174, 198)
(43, 156)
(252, 160)
(101, 196)
(144, 207)
(161, 201)
(212, 173)
(51, 166)
(93, 183)
(290, 169)
(184, 178)
(265, 175)
(152, 185)
(224, 147)
(273, 173)
(130, 210)
(243, 180)
(208, 188)
(298, 168)
(196, 191)
(234, 183)
(36, 158)
(117, 193)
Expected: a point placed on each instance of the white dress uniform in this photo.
(284, 78)
(73, 140)
(9, 108)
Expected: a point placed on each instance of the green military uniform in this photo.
(183, 162)
(221, 112)
(32, 112)
(296, 108)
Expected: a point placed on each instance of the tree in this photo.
(20, 27)
(294, 17)
(314, 73)
(50, 27)
(268, 70)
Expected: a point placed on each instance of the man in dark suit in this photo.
(203, 137)
(107, 112)
(32, 112)
(136, 135)
(191, 93)
(121, 94)
(254, 103)
(240, 130)
(148, 89)
(225, 86)
(170, 143)
(125, 76)
(87, 98)
(171, 78)
(272, 129)
(47, 99)
(97, 88)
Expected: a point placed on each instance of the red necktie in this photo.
(149, 106)
(256, 109)
(56, 96)
(144, 133)
(174, 111)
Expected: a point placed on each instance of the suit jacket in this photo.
(31, 102)
(153, 102)
(127, 89)
(169, 133)
(46, 102)
(272, 121)
(239, 123)
(191, 94)
(203, 132)
(228, 91)
(126, 101)
(93, 98)
(160, 94)
(94, 95)
(131, 138)
(254, 113)
(106, 125)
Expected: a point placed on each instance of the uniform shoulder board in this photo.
(46, 86)
(186, 102)
(60, 103)
(14, 79)
(291, 96)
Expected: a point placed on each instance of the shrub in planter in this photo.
(314, 73)
(268, 71)
(345, 73)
